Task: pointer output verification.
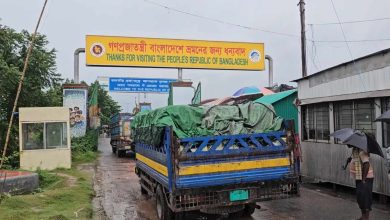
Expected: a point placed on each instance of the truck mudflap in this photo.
(233, 197)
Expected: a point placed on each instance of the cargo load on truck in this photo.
(215, 160)
(189, 121)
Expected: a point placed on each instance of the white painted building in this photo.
(44, 138)
(351, 94)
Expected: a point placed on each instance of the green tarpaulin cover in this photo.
(190, 121)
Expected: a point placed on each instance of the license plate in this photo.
(238, 195)
(127, 147)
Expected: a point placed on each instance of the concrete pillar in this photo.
(378, 112)
(331, 121)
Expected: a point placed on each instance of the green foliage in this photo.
(41, 84)
(11, 161)
(47, 179)
(54, 96)
(107, 105)
(84, 148)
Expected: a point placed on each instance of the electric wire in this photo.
(221, 21)
(342, 31)
(313, 55)
(260, 29)
(349, 49)
(351, 41)
(353, 22)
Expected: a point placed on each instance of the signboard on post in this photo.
(171, 53)
(144, 85)
(76, 101)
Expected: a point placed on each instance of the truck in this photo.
(217, 174)
(120, 133)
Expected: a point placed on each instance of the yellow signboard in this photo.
(171, 53)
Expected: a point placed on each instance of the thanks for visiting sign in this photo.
(172, 53)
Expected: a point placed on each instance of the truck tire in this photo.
(249, 209)
(162, 209)
(121, 153)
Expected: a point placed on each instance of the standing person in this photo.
(363, 174)
(297, 157)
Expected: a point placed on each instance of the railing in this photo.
(231, 145)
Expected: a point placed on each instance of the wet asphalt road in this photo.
(118, 197)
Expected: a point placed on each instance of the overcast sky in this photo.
(67, 22)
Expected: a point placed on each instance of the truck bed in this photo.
(215, 160)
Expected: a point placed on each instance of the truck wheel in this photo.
(249, 209)
(121, 153)
(180, 216)
(162, 209)
(114, 150)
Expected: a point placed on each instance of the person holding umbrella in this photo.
(362, 145)
(363, 174)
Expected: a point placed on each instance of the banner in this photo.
(144, 85)
(76, 101)
(171, 53)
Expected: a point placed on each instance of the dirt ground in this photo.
(118, 197)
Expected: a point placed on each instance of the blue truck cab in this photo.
(215, 174)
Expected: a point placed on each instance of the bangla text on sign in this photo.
(144, 85)
(171, 53)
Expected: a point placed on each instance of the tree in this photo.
(41, 84)
(107, 105)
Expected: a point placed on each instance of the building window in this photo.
(315, 121)
(33, 136)
(56, 135)
(357, 114)
(386, 126)
(50, 135)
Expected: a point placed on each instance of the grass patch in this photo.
(63, 193)
(84, 157)
(56, 200)
(48, 179)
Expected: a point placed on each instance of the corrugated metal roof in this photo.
(271, 99)
(343, 64)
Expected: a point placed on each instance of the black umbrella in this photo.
(385, 117)
(358, 139)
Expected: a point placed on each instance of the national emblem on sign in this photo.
(254, 56)
(97, 49)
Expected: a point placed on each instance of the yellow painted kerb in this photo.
(151, 163)
(233, 166)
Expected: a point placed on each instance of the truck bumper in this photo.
(219, 197)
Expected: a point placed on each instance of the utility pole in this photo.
(303, 37)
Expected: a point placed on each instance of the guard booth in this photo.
(44, 138)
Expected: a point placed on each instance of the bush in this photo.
(87, 143)
(84, 148)
(47, 179)
(11, 161)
